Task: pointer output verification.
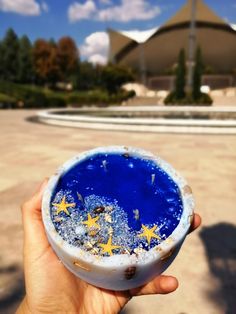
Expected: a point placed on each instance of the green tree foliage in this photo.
(197, 75)
(48, 62)
(180, 76)
(1, 61)
(109, 77)
(25, 69)
(178, 96)
(113, 76)
(88, 76)
(10, 49)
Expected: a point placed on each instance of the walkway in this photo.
(206, 265)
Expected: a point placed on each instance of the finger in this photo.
(195, 223)
(159, 285)
(41, 187)
(32, 207)
(34, 234)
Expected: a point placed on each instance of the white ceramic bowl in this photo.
(119, 271)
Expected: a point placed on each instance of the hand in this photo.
(51, 288)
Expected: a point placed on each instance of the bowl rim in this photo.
(160, 251)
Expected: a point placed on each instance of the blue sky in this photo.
(87, 20)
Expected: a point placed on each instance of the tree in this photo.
(87, 76)
(178, 96)
(180, 76)
(68, 57)
(25, 70)
(1, 61)
(113, 76)
(197, 75)
(10, 46)
(45, 58)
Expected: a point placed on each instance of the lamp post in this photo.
(191, 45)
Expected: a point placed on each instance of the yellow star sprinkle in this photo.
(108, 247)
(91, 222)
(62, 207)
(149, 233)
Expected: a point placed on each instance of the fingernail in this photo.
(169, 284)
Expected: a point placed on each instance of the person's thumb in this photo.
(34, 234)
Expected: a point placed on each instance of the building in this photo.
(154, 53)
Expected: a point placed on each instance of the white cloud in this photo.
(126, 11)
(97, 59)
(95, 47)
(78, 11)
(23, 7)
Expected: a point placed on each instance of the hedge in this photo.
(27, 96)
(203, 100)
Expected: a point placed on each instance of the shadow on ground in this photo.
(12, 288)
(220, 245)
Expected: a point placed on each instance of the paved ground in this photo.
(206, 265)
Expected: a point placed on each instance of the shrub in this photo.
(30, 98)
(96, 97)
(131, 94)
(33, 99)
(197, 75)
(170, 99)
(7, 101)
(180, 76)
(203, 100)
(55, 101)
(75, 99)
(114, 76)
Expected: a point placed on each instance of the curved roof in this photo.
(203, 13)
(162, 47)
(118, 41)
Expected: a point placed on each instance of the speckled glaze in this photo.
(121, 271)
